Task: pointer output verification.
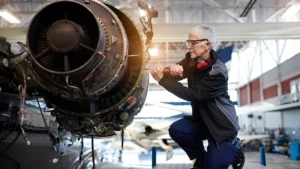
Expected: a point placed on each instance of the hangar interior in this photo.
(257, 40)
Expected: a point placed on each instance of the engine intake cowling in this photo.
(88, 61)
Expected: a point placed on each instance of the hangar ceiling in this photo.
(187, 13)
(235, 21)
(177, 11)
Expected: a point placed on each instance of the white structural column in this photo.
(246, 72)
(279, 91)
(167, 11)
(277, 59)
(167, 20)
(167, 53)
(253, 15)
(238, 73)
(250, 70)
(261, 72)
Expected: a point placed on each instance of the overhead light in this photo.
(153, 51)
(9, 17)
(292, 10)
(142, 12)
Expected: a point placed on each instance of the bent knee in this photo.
(172, 130)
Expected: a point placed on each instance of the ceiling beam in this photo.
(230, 31)
(213, 3)
(179, 32)
(278, 12)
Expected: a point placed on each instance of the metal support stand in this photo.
(262, 156)
(153, 157)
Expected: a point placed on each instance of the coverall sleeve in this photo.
(184, 63)
(210, 86)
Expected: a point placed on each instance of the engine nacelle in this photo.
(87, 60)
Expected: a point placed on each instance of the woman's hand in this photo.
(176, 70)
(156, 71)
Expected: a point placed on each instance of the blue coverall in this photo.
(189, 135)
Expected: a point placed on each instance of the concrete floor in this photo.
(131, 160)
(273, 161)
(187, 166)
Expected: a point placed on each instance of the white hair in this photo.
(205, 32)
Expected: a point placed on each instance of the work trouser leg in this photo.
(220, 156)
(188, 135)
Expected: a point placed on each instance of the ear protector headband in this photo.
(200, 64)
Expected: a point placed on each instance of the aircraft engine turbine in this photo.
(87, 60)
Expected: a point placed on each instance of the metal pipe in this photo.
(17, 59)
(248, 8)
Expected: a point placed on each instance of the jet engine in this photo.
(86, 59)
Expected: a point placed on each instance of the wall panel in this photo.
(288, 69)
(273, 120)
(285, 85)
(243, 96)
(270, 92)
(291, 124)
(255, 90)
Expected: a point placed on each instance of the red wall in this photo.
(243, 96)
(255, 90)
(270, 92)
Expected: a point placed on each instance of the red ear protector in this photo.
(200, 64)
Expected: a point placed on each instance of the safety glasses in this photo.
(191, 43)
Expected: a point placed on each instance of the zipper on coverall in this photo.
(218, 145)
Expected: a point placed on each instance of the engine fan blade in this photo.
(43, 52)
(66, 63)
(87, 47)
